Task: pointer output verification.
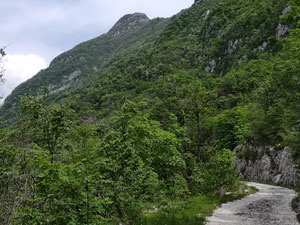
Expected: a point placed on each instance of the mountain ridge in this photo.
(220, 49)
(71, 67)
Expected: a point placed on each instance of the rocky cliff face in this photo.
(268, 165)
(129, 23)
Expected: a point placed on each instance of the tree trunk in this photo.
(222, 192)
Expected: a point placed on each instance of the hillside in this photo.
(210, 37)
(69, 69)
(154, 113)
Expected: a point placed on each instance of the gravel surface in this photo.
(270, 206)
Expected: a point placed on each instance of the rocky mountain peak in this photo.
(199, 1)
(128, 23)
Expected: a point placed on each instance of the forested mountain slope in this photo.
(76, 65)
(154, 118)
(210, 37)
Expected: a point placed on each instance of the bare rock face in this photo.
(282, 29)
(232, 46)
(286, 10)
(210, 68)
(267, 164)
(128, 23)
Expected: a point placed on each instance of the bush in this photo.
(220, 171)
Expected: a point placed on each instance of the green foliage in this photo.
(11, 176)
(229, 127)
(135, 137)
(60, 166)
(157, 121)
(190, 40)
(219, 171)
(292, 18)
(192, 211)
(76, 66)
(46, 127)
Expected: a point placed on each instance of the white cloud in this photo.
(19, 68)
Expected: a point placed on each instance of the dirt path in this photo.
(270, 206)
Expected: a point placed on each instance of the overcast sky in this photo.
(36, 31)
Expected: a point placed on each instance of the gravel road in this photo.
(270, 206)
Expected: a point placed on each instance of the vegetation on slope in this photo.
(158, 123)
(78, 64)
(192, 211)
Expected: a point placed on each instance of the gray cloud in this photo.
(46, 28)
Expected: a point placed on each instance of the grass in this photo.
(190, 212)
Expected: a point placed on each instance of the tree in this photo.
(14, 180)
(199, 106)
(46, 127)
(63, 166)
(219, 172)
(143, 162)
(12, 177)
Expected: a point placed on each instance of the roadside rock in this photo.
(267, 164)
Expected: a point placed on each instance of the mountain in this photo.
(211, 36)
(67, 70)
(156, 112)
